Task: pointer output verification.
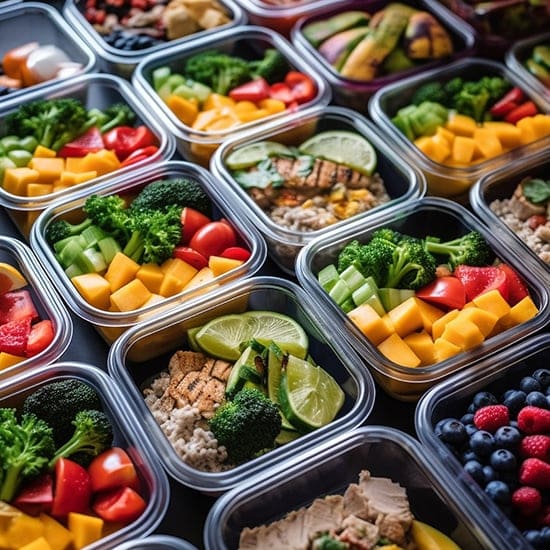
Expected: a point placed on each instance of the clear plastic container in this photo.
(93, 90)
(117, 60)
(356, 93)
(128, 434)
(495, 374)
(402, 181)
(45, 300)
(444, 180)
(110, 324)
(144, 351)
(500, 186)
(247, 41)
(156, 542)
(48, 27)
(328, 468)
(428, 216)
(517, 56)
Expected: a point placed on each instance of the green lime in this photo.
(342, 147)
(310, 397)
(252, 154)
(275, 357)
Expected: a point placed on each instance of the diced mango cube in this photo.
(39, 189)
(485, 320)
(57, 535)
(179, 269)
(374, 327)
(130, 296)
(406, 317)
(202, 276)
(8, 360)
(37, 544)
(74, 178)
(85, 529)
(445, 349)
(44, 152)
(422, 345)
(463, 149)
(121, 271)
(541, 125)
(527, 129)
(429, 314)
(494, 302)
(220, 265)
(463, 333)
(461, 125)
(508, 134)
(521, 312)
(396, 350)
(49, 169)
(185, 109)
(170, 285)
(94, 288)
(271, 105)
(438, 326)
(151, 275)
(487, 142)
(17, 179)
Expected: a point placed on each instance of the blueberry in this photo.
(543, 377)
(489, 474)
(537, 399)
(507, 437)
(439, 423)
(482, 443)
(468, 455)
(453, 431)
(503, 460)
(468, 418)
(534, 537)
(514, 400)
(475, 469)
(482, 399)
(498, 492)
(528, 384)
(545, 532)
(470, 429)
(119, 43)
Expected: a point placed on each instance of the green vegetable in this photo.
(246, 425)
(272, 66)
(61, 229)
(431, 91)
(420, 120)
(110, 213)
(537, 190)
(326, 542)
(93, 433)
(118, 114)
(26, 446)
(263, 176)
(470, 249)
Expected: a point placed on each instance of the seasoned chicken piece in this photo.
(324, 514)
(178, 22)
(212, 18)
(359, 534)
(522, 207)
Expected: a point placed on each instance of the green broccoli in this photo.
(246, 425)
(109, 212)
(326, 542)
(26, 446)
(272, 66)
(434, 92)
(93, 433)
(470, 249)
(118, 114)
(216, 69)
(161, 194)
(61, 229)
(58, 402)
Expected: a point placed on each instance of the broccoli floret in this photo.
(57, 404)
(349, 255)
(109, 212)
(272, 66)
(93, 433)
(453, 86)
(26, 446)
(61, 229)
(326, 542)
(220, 71)
(161, 194)
(470, 249)
(246, 425)
(433, 92)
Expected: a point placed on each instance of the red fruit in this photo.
(491, 418)
(516, 287)
(89, 142)
(17, 305)
(36, 496)
(478, 280)
(40, 337)
(535, 473)
(534, 420)
(14, 336)
(535, 446)
(72, 488)
(191, 221)
(527, 500)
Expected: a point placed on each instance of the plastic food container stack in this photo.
(122, 59)
(48, 28)
(127, 434)
(143, 352)
(496, 375)
(46, 302)
(401, 180)
(93, 90)
(248, 42)
(355, 93)
(110, 324)
(329, 468)
(428, 216)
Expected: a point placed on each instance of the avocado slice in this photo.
(318, 31)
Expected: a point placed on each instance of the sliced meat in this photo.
(359, 534)
(324, 515)
(355, 502)
(522, 207)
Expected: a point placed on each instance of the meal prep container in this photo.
(517, 56)
(94, 90)
(356, 93)
(45, 299)
(156, 542)
(48, 27)
(123, 62)
(144, 351)
(500, 185)
(428, 216)
(127, 434)
(495, 374)
(443, 180)
(328, 468)
(247, 41)
(111, 324)
(403, 182)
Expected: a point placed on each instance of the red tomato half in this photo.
(124, 140)
(445, 291)
(255, 90)
(89, 142)
(122, 505)
(236, 253)
(139, 154)
(72, 488)
(35, 496)
(213, 238)
(190, 256)
(111, 469)
(191, 220)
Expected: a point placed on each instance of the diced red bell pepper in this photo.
(282, 92)
(72, 488)
(478, 280)
(527, 108)
(447, 291)
(124, 140)
(190, 256)
(301, 86)
(40, 337)
(17, 305)
(139, 155)
(508, 102)
(255, 90)
(89, 142)
(122, 505)
(517, 290)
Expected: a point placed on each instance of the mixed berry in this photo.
(503, 443)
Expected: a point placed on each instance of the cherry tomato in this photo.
(213, 238)
(445, 291)
(111, 469)
(35, 496)
(282, 92)
(139, 154)
(124, 140)
(40, 337)
(255, 90)
(508, 102)
(89, 142)
(301, 86)
(236, 253)
(528, 108)
(190, 256)
(72, 488)
(122, 505)
(191, 220)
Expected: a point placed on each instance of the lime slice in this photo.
(309, 396)
(249, 155)
(275, 357)
(342, 147)
(281, 329)
(10, 278)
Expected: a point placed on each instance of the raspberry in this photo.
(535, 473)
(527, 500)
(491, 417)
(534, 420)
(535, 446)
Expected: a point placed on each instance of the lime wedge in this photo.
(275, 357)
(309, 396)
(252, 154)
(342, 147)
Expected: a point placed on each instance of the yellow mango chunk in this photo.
(406, 317)
(17, 179)
(151, 275)
(75, 178)
(8, 360)
(220, 265)
(483, 319)
(463, 149)
(44, 152)
(37, 544)
(103, 162)
(179, 269)
(374, 327)
(121, 271)
(429, 314)
(75, 164)
(170, 285)
(438, 326)
(85, 529)
(445, 134)
(39, 189)
(521, 312)
(492, 301)
(508, 134)
(49, 169)
(22, 529)
(185, 109)
(57, 535)
(487, 142)
(272, 105)
(527, 128)
(422, 345)
(249, 116)
(202, 276)
(427, 537)
(130, 296)
(461, 125)
(396, 350)
(94, 288)
(214, 101)
(463, 333)
(541, 125)
(444, 349)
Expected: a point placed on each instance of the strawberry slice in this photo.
(89, 142)
(40, 337)
(17, 305)
(517, 290)
(478, 280)
(14, 336)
